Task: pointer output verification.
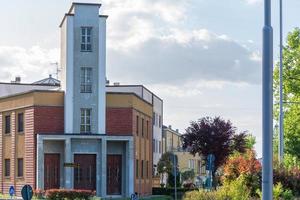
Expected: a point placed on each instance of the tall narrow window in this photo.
(20, 122)
(86, 33)
(7, 167)
(7, 124)
(147, 129)
(137, 168)
(143, 127)
(159, 121)
(137, 125)
(85, 121)
(153, 120)
(147, 169)
(20, 167)
(142, 168)
(153, 145)
(86, 80)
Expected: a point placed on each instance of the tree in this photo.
(291, 91)
(165, 164)
(213, 136)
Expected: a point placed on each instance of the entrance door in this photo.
(114, 174)
(85, 172)
(51, 171)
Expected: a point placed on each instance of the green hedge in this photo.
(62, 194)
(171, 191)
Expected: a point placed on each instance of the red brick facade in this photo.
(119, 121)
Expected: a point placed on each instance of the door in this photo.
(114, 174)
(51, 171)
(85, 171)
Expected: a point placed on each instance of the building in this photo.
(157, 118)
(76, 135)
(172, 143)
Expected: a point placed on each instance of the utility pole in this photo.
(267, 104)
(281, 114)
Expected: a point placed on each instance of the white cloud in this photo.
(31, 64)
(252, 2)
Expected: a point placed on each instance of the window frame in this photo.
(137, 125)
(84, 36)
(7, 173)
(18, 168)
(137, 168)
(83, 118)
(18, 120)
(7, 124)
(86, 81)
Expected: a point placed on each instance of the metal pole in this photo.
(281, 141)
(175, 185)
(267, 104)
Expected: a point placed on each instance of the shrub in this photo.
(62, 194)
(279, 193)
(171, 180)
(188, 175)
(38, 194)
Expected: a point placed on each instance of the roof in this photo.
(48, 81)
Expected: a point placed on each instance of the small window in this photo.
(159, 121)
(143, 127)
(137, 168)
(153, 120)
(142, 168)
(86, 33)
(86, 80)
(137, 125)
(147, 169)
(20, 167)
(7, 167)
(7, 124)
(20, 122)
(85, 120)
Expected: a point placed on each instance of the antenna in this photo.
(58, 69)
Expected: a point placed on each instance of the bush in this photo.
(171, 180)
(170, 191)
(62, 194)
(289, 178)
(231, 190)
(279, 193)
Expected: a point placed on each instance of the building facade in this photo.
(157, 116)
(172, 143)
(77, 136)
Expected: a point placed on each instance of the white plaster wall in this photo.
(11, 89)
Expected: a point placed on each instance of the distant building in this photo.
(172, 143)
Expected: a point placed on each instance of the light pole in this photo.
(280, 143)
(267, 104)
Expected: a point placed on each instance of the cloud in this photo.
(31, 64)
(183, 56)
(252, 2)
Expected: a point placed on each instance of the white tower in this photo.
(83, 61)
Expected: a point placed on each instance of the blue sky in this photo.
(202, 57)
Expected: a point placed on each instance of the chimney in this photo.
(177, 131)
(170, 127)
(116, 83)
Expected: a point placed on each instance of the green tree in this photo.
(165, 164)
(291, 90)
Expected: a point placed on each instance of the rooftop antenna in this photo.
(58, 69)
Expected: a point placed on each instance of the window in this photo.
(191, 164)
(147, 129)
(20, 122)
(137, 168)
(86, 80)
(20, 167)
(154, 118)
(142, 167)
(153, 145)
(7, 124)
(143, 127)
(159, 121)
(137, 125)
(7, 167)
(159, 147)
(147, 169)
(86, 44)
(85, 123)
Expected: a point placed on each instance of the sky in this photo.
(203, 58)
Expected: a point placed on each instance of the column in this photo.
(40, 163)
(68, 159)
(103, 166)
(130, 167)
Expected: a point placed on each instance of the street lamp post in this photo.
(267, 104)
(280, 143)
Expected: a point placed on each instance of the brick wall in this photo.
(119, 121)
(49, 119)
